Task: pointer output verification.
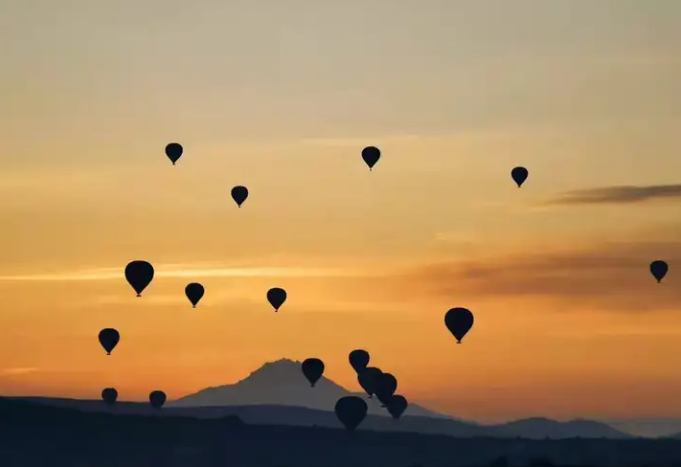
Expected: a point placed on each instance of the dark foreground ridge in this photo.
(278, 394)
(33, 435)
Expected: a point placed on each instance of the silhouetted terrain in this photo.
(647, 427)
(299, 416)
(33, 435)
(282, 383)
(277, 394)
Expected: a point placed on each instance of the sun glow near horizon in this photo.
(555, 272)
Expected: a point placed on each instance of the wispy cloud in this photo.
(613, 276)
(185, 271)
(17, 371)
(362, 142)
(160, 300)
(619, 195)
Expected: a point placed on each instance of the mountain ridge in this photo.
(35, 436)
(281, 382)
(278, 415)
(277, 393)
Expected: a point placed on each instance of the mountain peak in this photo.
(281, 382)
(278, 371)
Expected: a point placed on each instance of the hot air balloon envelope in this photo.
(659, 269)
(157, 399)
(351, 411)
(139, 275)
(519, 175)
(174, 152)
(386, 385)
(397, 405)
(239, 195)
(109, 339)
(276, 296)
(368, 379)
(313, 369)
(459, 321)
(359, 359)
(109, 396)
(194, 293)
(371, 155)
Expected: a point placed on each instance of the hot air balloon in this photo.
(276, 296)
(174, 152)
(239, 194)
(459, 321)
(139, 275)
(359, 359)
(659, 269)
(194, 293)
(386, 385)
(350, 411)
(109, 339)
(313, 369)
(371, 155)
(157, 399)
(397, 405)
(519, 175)
(368, 379)
(109, 396)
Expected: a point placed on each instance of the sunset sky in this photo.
(281, 96)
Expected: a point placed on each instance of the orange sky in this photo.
(568, 320)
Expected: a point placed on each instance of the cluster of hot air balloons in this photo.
(350, 410)
(175, 150)
(156, 398)
(139, 275)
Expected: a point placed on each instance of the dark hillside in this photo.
(33, 435)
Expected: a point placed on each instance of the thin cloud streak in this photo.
(361, 142)
(17, 371)
(161, 300)
(608, 276)
(618, 195)
(103, 274)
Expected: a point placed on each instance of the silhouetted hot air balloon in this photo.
(157, 399)
(313, 369)
(519, 175)
(109, 339)
(276, 296)
(368, 379)
(174, 152)
(359, 359)
(659, 269)
(194, 293)
(350, 411)
(459, 321)
(386, 385)
(109, 396)
(139, 275)
(239, 195)
(397, 405)
(371, 155)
